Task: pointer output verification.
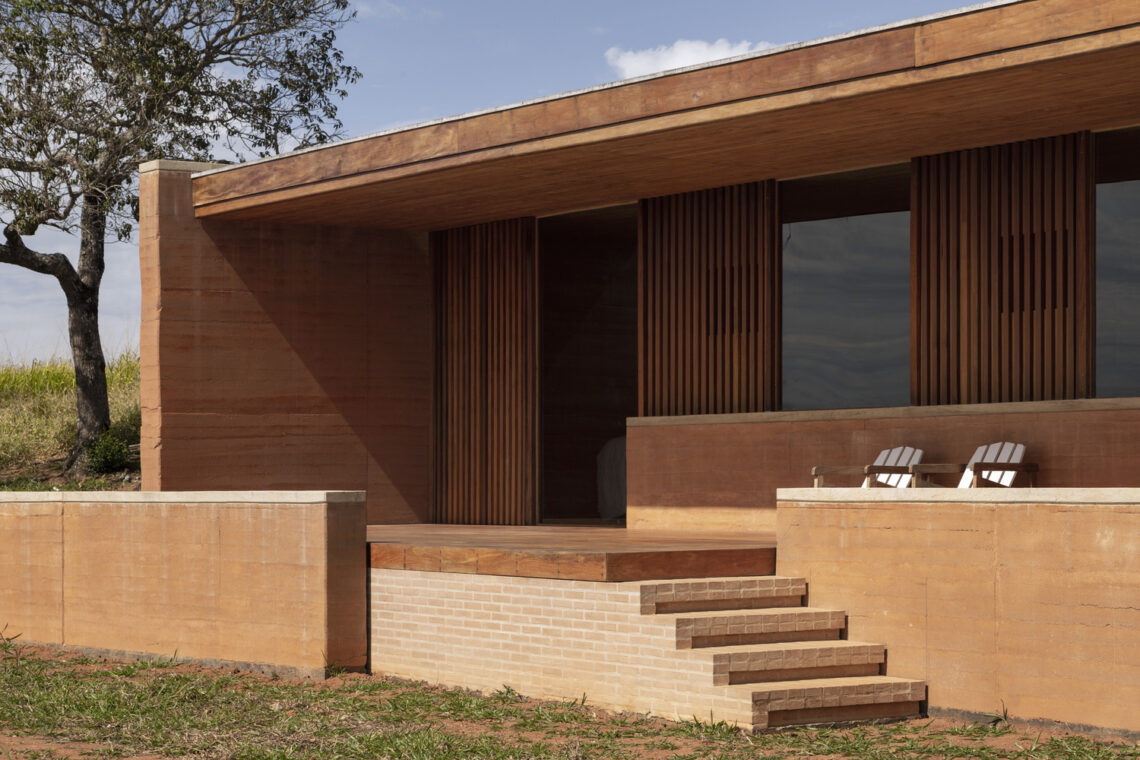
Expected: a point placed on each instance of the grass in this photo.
(171, 709)
(37, 419)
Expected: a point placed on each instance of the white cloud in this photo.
(380, 8)
(635, 63)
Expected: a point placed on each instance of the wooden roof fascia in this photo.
(707, 115)
(955, 35)
(626, 104)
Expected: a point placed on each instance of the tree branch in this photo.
(55, 264)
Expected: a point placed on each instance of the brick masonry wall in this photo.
(268, 581)
(724, 475)
(1031, 603)
(279, 356)
(545, 638)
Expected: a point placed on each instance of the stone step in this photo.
(716, 629)
(789, 661)
(706, 594)
(835, 700)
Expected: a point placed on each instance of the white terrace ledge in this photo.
(279, 498)
(854, 496)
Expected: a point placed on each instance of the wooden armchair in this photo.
(891, 469)
(994, 464)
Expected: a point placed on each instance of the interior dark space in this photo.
(588, 364)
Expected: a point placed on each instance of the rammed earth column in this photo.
(167, 228)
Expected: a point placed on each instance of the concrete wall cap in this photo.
(861, 496)
(174, 165)
(277, 498)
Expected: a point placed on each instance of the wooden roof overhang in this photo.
(981, 77)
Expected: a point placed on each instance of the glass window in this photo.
(1118, 263)
(846, 291)
(1118, 289)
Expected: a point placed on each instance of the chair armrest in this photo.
(818, 472)
(1029, 468)
(853, 469)
(935, 469)
(1004, 466)
(922, 473)
(883, 469)
(887, 469)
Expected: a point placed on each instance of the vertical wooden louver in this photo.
(486, 410)
(1002, 273)
(709, 302)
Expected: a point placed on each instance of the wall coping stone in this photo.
(175, 165)
(280, 498)
(856, 496)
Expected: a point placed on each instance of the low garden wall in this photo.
(1026, 600)
(272, 581)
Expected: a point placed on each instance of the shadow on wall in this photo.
(323, 368)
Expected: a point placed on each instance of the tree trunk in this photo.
(93, 412)
(81, 287)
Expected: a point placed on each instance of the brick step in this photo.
(834, 700)
(709, 594)
(716, 629)
(790, 661)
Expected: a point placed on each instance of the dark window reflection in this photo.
(1118, 289)
(846, 312)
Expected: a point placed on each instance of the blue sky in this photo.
(427, 60)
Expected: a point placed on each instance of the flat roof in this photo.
(775, 50)
(981, 75)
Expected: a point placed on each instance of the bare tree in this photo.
(91, 88)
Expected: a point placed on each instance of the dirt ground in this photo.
(1018, 741)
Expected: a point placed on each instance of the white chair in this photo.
(994, 464)
(891, 469)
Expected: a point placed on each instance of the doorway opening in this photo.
(588, 362)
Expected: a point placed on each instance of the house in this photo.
(923, 233)
(455, 317)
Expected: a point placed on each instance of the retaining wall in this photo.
(273, 581)
(1027, 598)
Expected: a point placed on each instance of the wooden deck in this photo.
(570, 552)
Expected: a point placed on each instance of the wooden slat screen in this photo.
(709, 302)
(1002, 274)
(486, 369)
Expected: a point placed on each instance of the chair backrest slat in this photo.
(1002, 452)
(899, 456)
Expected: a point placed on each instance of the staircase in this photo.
(794, 662)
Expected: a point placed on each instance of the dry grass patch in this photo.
(37, 421)
(173, 709)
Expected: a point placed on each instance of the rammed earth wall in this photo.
(1027, 598)
(272, 581)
